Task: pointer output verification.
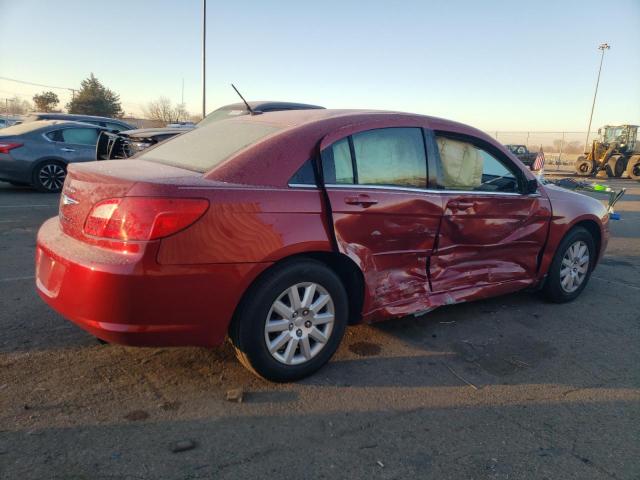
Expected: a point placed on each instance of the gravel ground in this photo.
(511, 387)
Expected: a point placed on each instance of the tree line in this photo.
(93, 98)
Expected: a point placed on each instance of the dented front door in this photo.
(488, 239)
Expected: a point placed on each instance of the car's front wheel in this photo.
(291, 321)
(571, 266)
(49, 176)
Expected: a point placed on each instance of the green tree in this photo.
(93, 98)
(46, 101)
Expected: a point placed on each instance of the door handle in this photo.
(363, 200)
(459, 205)
(65, 149)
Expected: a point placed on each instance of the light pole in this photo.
(204, 58)
(602, 47)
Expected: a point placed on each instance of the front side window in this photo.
(465, 166)
(80, 136)
(385, 157)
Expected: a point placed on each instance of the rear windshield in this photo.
(205, 147)
(21, 128)
(222, 114)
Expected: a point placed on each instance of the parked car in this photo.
(111, 124)
(37, 153)
(523, 154)
(128, 143)
(181, 125)
(8, 121)
(278, 230)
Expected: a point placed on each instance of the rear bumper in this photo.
(13, 170)
(130, 299)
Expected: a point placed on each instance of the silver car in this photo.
(37, 153)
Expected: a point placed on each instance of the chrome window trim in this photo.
(44, 135)
(302, 185)
(426, 190)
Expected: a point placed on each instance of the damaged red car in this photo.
(278, 230)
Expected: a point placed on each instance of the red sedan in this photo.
(279, 229)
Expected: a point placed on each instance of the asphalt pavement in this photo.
(507, 388)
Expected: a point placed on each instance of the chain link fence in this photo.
(561, 149)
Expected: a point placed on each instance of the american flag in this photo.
(538, 163)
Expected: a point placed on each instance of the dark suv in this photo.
(111, 124)
(128, 143)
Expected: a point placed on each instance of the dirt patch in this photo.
(365, 349)
(504, 356)
(136, 415)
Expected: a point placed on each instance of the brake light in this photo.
(5, 147)
(143, 218)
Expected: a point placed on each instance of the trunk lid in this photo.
(88, 183)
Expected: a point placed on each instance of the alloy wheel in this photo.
(575, 266)
(299, 323)
(51, 176)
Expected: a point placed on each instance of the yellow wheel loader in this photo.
(616, 153)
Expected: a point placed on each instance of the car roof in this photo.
(270, 105)
(295, 118)
(71, 116)
(274, 159)
(34, 126)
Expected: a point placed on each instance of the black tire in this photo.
(247, 330)
(49, 176)
(584, 167)
(615, 166)
(553, 289)
(633, 167)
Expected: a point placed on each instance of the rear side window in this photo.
(465, 166)
(55, 136)
(80, 136)
(385, 157)
(305, 175)
(205, 147)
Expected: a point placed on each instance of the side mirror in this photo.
(531, 186)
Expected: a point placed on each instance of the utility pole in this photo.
(602, 47)
(182, 97)
(204, 58)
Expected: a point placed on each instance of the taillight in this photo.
(5, 147)
(142, 218)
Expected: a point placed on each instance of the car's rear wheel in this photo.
(571, 266)
(291, 321)
(49, 176)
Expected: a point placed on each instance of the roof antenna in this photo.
(251, 111)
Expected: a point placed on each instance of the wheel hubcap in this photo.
(575, 265)
(51, 176)
(299, 323)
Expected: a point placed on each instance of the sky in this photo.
(497, 65)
